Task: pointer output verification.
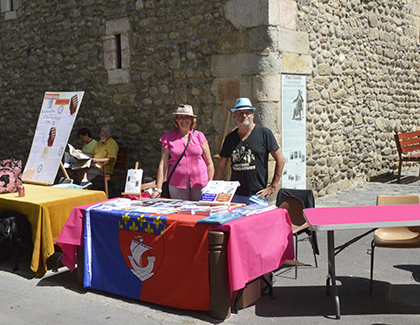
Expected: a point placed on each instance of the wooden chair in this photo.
(288, 199)
(120, 169)
(394, 237)
(408, 147)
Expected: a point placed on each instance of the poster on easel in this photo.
(55, 122)
(293, 130)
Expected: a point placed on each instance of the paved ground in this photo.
(56, 298)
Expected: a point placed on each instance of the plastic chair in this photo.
(394, 237)
(294, 201)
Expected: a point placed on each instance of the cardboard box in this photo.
(251, 294)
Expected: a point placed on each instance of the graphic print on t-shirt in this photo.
(242, 158)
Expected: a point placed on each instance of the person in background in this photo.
(248, 148)
(196, 166)
(85, 135)
(105, 153)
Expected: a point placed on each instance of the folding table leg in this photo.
(331, 272)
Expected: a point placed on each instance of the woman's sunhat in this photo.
(184, 110)
(242, 104)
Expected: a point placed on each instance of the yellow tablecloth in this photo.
(47, 209)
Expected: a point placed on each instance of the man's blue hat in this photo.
(242, 104)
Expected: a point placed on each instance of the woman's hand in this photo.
(156, 193)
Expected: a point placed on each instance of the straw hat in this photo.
(184, 110)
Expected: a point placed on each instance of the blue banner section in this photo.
(136, 221)
(109, 268)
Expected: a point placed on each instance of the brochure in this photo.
(219, 192)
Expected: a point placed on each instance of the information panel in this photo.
(58, 112)
(293, 130)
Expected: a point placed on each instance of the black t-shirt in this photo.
(249, 158)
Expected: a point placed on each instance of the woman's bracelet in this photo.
(157, 189)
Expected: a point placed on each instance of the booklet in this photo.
(219, 192)
(76, 154)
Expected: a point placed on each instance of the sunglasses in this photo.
(183, 117)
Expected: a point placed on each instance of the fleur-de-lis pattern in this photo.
(140, 222)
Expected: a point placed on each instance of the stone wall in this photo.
(361, 59)
(60, 46)
(364, 86)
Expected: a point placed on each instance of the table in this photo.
(257, 244)
(343, 218)
(47, 209)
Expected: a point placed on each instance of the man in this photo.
(104, 152)
(249, 147)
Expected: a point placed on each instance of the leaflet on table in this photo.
(221, 218)
(76, 154)
(219, 192)
(254, 208)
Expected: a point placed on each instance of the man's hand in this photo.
(266, 192)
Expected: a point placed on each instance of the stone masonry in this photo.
(137, 60)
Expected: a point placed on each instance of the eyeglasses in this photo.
(245, 111)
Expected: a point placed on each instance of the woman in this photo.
(196, 166)
(85, 135)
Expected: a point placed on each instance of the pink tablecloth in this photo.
(258, 244)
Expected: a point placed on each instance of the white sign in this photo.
(58, 112)
(133, 182)
(293, 130)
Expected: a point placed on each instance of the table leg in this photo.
(331, 272)
(220, 301)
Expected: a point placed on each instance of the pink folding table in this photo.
(344, 218)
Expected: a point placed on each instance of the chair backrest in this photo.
(122, 160)
(295, 209)
(397, 199)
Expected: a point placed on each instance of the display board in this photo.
(293, 130)
(58, 112)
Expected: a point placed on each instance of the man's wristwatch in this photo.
(157, 189)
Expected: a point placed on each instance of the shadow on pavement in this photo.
(354, 300)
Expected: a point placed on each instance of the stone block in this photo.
(267, 114)
(227, 90)
(286, 14)
(263, 39)
(247, 13)
(266, 88)
(295, 63)
(234, 42)
(118, 76)
(232, 65)
(117, 26)
(292, 41)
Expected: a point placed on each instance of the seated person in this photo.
(104, 153)
(86, 136)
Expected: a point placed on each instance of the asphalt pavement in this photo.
(56, 297)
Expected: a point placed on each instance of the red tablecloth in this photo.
(258, 244)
